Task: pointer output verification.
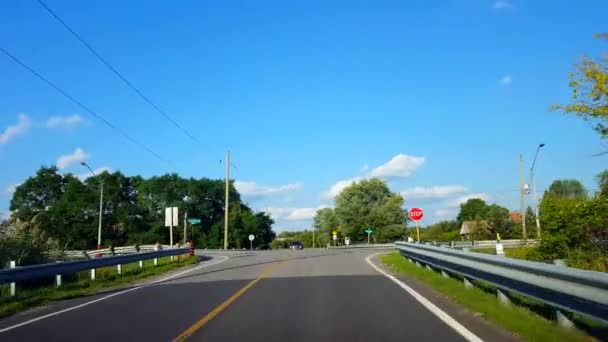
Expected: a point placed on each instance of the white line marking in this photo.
(110, 296)
(442, 315)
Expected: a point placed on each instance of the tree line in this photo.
(61, 212)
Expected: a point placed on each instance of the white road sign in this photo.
(251, 237)
(171, 217)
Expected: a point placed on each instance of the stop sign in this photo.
(416, 214)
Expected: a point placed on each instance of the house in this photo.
(471, 230)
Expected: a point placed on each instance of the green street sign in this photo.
(194, 221)
(369, 231)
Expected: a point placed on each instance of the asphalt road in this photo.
(325, 295)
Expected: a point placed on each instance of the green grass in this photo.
(515, 253)
(519, 320)
(79, 285)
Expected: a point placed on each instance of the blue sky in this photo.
(436, 97)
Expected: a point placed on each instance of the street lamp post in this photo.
(100, 205)
(536, 205)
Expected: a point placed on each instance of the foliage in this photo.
(305, 237)
(472, 210)
(390, 233)
(22, 249)
(60, 208)
(602, 181)
(489, 220)
(572, 227)
(365, 204)
(568, 188)
(441, 231)
(589, 84)
(325, 222)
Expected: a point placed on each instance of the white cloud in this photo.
(401, 165)
(97, 171)
(339, 186)
(11, 189)
(12, 131)
(441, 191)
(445, 213)
(365, 168)
(462, 199)
(502, 4)
(63, 121)
(506, 80)
(292, 214)
(66, 160)
(257, 190)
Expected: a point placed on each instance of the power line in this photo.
(85, 108)
(124, 79)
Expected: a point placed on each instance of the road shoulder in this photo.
(472, 321)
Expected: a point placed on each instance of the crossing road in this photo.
(325, 295)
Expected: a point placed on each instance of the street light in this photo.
(100, 205)
(534, 191)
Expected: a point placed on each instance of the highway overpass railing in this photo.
(563, 288)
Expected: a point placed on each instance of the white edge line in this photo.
(110, 296)
(442, 315)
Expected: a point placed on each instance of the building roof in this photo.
(515, 216)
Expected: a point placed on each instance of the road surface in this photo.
(324, 295)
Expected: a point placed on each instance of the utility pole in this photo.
(522, 194)
(100, 204)
(226, 204)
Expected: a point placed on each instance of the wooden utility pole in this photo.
(522, 193)
(226, 203)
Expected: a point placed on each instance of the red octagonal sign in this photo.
(416, 214)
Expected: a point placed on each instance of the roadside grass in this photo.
(80, 284)
(523, 253)
(519, 320)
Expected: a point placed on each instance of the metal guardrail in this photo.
(565, 288)
(373, 245)
(108, 251)
(485, 243)
(18, 274)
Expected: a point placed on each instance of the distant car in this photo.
(296, 245)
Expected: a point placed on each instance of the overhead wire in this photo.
(84, 107)
(126, 81)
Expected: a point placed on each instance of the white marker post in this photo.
(13, 286)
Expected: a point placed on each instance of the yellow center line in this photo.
(203, 321)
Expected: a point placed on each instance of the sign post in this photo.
(369, 232)
(192, 222)
(170, 221)
(251, 237)
(335, 236)
(416, 214)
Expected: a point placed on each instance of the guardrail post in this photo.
(418, 264)
(141, 264)
(13, 286)
(429, 268)
(92, 274)
(452, 244)
(58, 278)
(562, 320)
(502, 297)
(410, 260)
(444, 274)
(467, 283)
(119, 268)
(155, 261)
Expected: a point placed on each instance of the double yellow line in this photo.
(203, 321)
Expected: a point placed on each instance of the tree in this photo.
(498, 221)
(472, 210)
(566, 188)
(364, 204)
(589, 84)
(325, 222)
(602, 181)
